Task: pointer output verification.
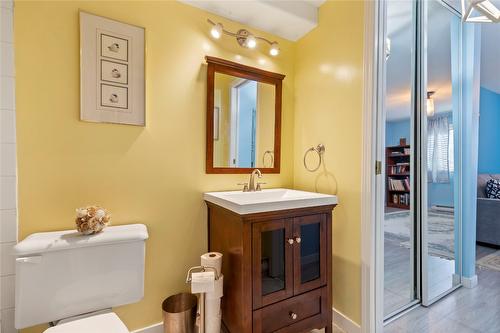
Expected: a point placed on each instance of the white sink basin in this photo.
(268, 200)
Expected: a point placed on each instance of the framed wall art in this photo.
(112, 88)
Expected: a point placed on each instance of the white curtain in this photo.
(439, 150)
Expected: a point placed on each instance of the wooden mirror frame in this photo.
(217, 65)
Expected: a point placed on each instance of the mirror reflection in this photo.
(244, 119)
(399, 217)
(442, 231)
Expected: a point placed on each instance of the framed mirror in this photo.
(243, 118)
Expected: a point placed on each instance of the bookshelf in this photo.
(398, 176)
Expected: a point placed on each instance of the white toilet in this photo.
(72, 281)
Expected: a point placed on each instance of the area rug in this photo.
(440, 232)
(491, 261)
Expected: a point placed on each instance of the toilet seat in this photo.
(101, 323)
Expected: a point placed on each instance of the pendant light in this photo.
(481, 11)
(430, 104)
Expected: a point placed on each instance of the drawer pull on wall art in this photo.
(320, 150)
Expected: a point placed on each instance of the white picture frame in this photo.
(112, 62)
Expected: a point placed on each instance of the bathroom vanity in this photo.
(277, 261)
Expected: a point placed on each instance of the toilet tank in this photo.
(63, 274)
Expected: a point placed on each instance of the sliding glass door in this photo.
(419, 148)
(399, 228)
(440, 149)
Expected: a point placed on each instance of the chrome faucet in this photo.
(250, 186)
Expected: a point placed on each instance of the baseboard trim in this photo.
(339, 319)
(155, 328)
(469, 282)
(345, 323)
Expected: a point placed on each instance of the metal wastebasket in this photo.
(179, 313)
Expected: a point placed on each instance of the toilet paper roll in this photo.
(213, 324)
(202, 282)
(212, 307)
(212, 259)
(218, 290)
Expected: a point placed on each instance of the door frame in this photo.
(372, 319)
(234, 102)
(371, 314)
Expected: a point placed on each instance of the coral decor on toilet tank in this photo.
(92, 219)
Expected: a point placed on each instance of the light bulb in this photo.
(216, 31)
(274, 50)
(251, 42)
(430, 105)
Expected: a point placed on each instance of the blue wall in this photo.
(395, 130)
(246, 119)
(438, 194)
(489, 132)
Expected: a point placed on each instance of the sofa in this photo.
(488, 214)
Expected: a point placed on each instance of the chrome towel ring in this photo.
(320, 150)
(271, 158)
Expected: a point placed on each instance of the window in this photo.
(440, 165)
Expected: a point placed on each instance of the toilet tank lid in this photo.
(44, 242)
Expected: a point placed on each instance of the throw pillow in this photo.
(493, 189)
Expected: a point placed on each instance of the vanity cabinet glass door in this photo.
(272, 245)
(309, 252)
(289, 258)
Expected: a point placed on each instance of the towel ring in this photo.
(271, 155)
(320, 150)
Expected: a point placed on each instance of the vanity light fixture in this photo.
(250, 42)
(274, 50)
(480, 11)
(216, 31)
(244, 37)
(430, 104)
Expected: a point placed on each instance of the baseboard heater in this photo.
(444, 209)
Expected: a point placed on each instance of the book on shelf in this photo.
(398, 184)
(399, 168)
(406, 151)
(401, 199)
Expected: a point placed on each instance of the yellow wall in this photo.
(328, 105)
(154, 174)
(222, 99)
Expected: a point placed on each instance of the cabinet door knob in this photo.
(293, 315)
(298, 239)
(290, 241)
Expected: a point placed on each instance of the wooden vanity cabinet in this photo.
(277, 268)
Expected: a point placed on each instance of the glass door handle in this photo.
(298, 240)
(290, 241)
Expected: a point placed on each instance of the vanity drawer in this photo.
(293, 314)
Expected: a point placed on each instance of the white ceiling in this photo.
(490, 56)
(400, 66)
(287, 19)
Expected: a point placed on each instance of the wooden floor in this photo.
(463, 311)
